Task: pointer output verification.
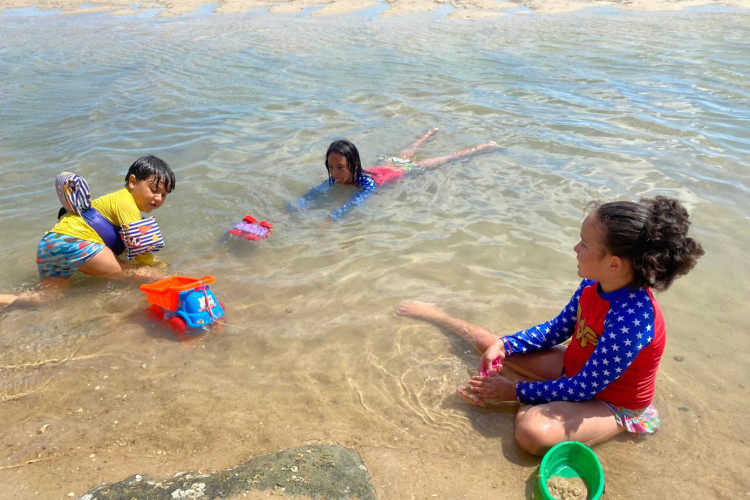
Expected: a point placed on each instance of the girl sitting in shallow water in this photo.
(602, 382)
(344, 167)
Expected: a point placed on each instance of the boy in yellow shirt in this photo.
(90, 242)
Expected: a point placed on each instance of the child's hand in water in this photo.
(326, 223)
(296, 206)
(496, 367)
(492, 359)
(491, 389)
(146, 273)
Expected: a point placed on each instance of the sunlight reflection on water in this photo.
(243, 108)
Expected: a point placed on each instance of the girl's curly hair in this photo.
(652, 235)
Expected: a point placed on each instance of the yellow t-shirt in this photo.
(119, 208)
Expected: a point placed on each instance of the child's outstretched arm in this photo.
(547, 334)
(303, 202)
(367, 186)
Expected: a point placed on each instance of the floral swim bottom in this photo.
(401, 163)
(636, 421)
(60, 255)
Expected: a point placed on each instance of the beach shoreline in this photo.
(465, 9)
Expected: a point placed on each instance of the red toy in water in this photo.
(250, 229)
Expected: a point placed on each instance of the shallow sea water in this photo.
(596, 105)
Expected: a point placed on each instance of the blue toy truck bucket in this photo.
(165, 293)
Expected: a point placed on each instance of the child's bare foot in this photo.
(32, 298)
(468, 396)
(426, 311)
(7, 299)
(427, 135)
(409, 152)
(472, 398)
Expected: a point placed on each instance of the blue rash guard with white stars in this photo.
(365, 184)
(617, 340)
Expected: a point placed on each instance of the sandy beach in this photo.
(92, 393)
(461, 8)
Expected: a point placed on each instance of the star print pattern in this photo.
(548, 334)
(628, 329)
(364, 182)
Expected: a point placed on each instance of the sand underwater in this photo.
(242, 103)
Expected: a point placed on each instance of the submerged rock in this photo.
(317, 471)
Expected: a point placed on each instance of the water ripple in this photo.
(243, 108)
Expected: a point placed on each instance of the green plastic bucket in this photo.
(571, 459)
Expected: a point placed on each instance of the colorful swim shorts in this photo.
(59, 255)
(401, 163)
(636, 421)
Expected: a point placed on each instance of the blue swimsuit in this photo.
(364, 183)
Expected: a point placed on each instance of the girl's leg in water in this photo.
(538, 427)
(435, 162)
(478, 336)
(541, 365)
(49, 289)
(104, 264)
(408, 152)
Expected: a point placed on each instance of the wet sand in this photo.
(113, 396)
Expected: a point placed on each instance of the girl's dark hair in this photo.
(349, 151)
(652, 235)
(147, 166)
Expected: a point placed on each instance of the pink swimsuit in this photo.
(384, 175)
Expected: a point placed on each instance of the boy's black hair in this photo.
(151, 166)
(349, 151)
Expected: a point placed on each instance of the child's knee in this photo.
(534, 433)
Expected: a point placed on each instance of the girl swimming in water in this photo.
(344, 167)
